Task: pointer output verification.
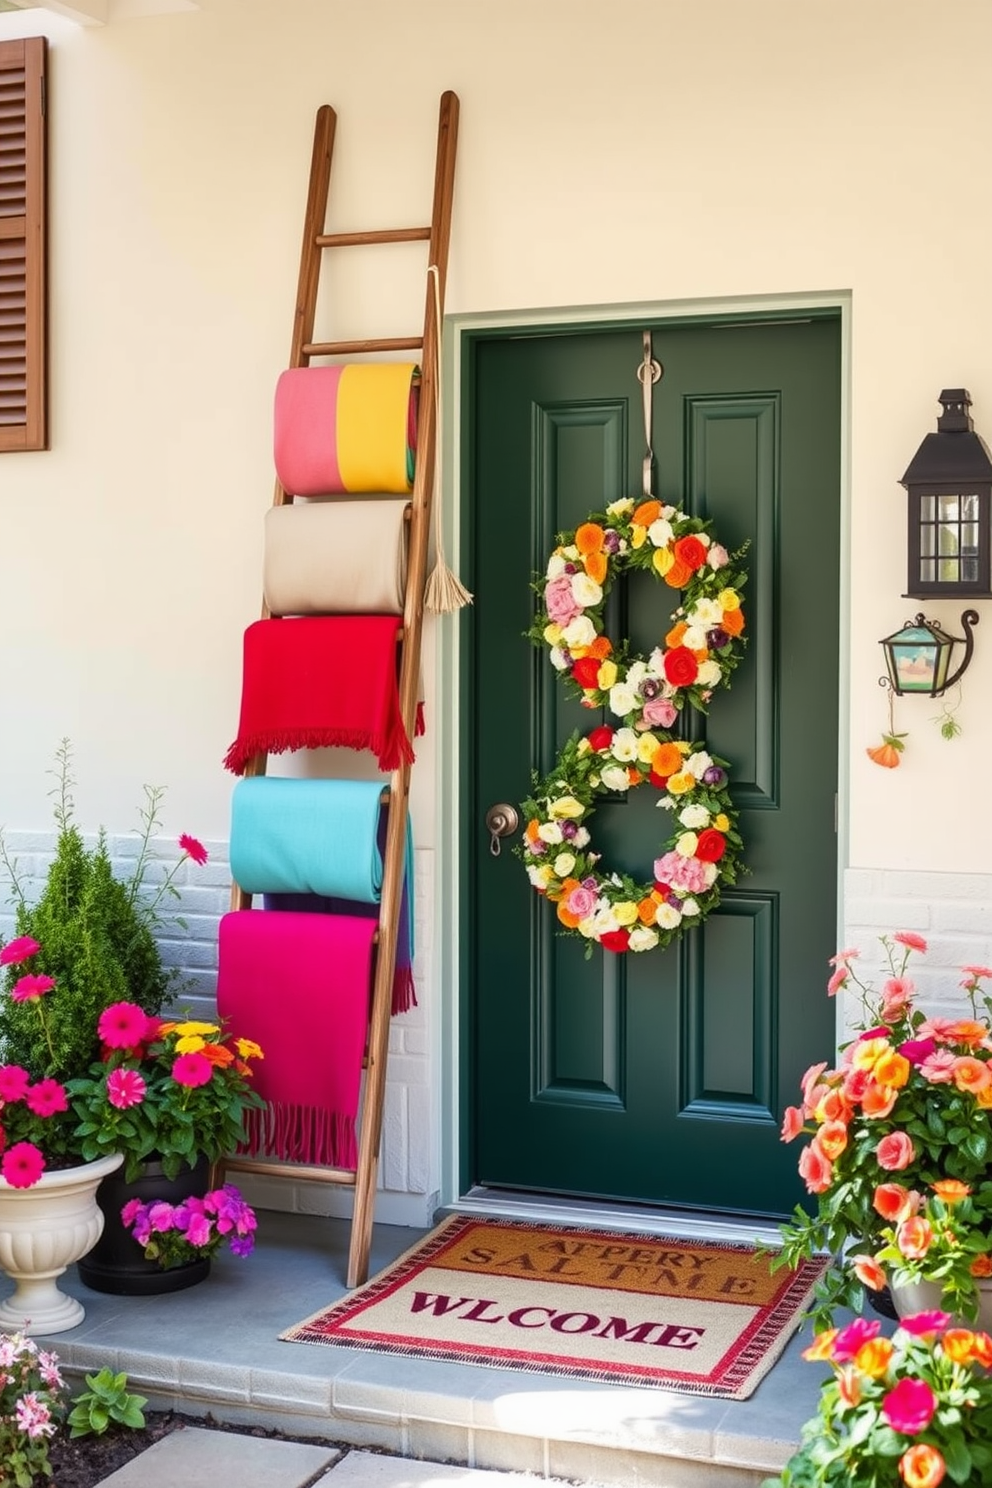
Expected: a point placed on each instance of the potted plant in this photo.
(901, 1141)
(899, 1412)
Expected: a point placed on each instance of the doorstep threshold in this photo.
(686, 1224)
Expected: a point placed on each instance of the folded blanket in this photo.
(307, 837)
(314, 681)
(350, 428)
(298, 984)
(336, 557)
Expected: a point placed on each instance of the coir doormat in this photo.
(704, 1319)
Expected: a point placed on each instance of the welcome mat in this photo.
(705, 1319)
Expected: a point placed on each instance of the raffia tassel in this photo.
(445, 592)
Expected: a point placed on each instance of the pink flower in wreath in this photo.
(659, 712)
(560, 601)
(581, 902)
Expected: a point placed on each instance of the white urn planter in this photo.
(44, 1229)
(926, 1296)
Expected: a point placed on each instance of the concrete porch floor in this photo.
(214, 1349)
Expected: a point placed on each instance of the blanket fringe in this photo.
(392, 748)
(404, 991)
(303, 1134)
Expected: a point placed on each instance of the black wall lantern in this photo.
(918, 657)
(949, 482)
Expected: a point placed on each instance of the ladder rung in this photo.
(288, 1170)
(383, 343)
(376, 235)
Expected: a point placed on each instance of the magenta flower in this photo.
(22, 1165)
(161, 1216)
(199, 1230)
(33, 1416)
(30, 987)
(130, 1211)
(922, 1323)
(850, 1339)
(122, 1025)
(917, 1051)
(125, 1088)
(192, 1069)
(14, 1082)
(46, 1098)
(910, 1406)
(16, 951)
(193, 849)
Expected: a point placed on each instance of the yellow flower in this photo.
(682, 782)
(663, 560)
(189, 1043)
(687, 843)
(185, 1029)
(568, 806)
(638, 535)
(552, 633)
(722, 822)
(607, 675)
(248, 1049)
(647, 744)
(728, 599)
(583, 747)
(626, 913)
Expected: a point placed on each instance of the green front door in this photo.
(657, 1077)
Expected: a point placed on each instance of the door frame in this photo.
(451, 1052)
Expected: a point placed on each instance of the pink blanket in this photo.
(299, 985)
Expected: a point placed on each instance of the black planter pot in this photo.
(117, 1263)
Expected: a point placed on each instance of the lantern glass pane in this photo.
(913, 653)
(928, 571)
(927, 539)
(949, 508)
(928, 509)
(969, 508)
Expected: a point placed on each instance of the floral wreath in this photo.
(645, 695)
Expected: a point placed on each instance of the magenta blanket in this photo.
(299, 985)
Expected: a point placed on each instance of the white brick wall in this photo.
(953, 913)
(409, 1164)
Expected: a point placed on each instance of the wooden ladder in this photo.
(315, 241)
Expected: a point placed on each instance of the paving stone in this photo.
(199, 1458)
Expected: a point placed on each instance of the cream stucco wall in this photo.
(639, 152)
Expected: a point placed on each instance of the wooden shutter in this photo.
(23, 248)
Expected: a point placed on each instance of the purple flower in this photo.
(242, 1245)
(568, 830)
(200, 1230)
(717, 638)
(713, 775)
(611, 540)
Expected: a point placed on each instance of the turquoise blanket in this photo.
(308, 837)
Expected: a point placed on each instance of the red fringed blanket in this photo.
(299, 985)
(312, 681)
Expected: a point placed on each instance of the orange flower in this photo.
(887, 753)
(914, 1237)
(981, 1265)
(815, 1168)
(674, 636)
(922, 1466)
(878, 1100)
(892, 1069)
(983, 1350)
(894, 1203)
(868, 1272)
(566, 916)
(634, 776)
(732, 622)
(874, 1356)
(951, 1190)
(965, 1031)
(832, 1106)
(679, 574)
(646, 911)
(831, 1139)
(971, 1074)
(666, 760)
(597, 565)
(600, 648)
(958, 1344)
(646, 513)
(822, 1346)
(531, 830)
(218, 1055)
(589, 537)
(849, 1385)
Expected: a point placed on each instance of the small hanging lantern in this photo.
(949, 481)
(918, 657)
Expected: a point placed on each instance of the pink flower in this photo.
(33, 1416)
(938, 1067)
(844, 956)
(850, 1339)
(659, 712)
(910, 1407)
(123, 1025)
(193, 849)
(792, 1123)
(192, 1069)
(46, 1097)
(918, 1051)
(581, 902)
(717, 557)
(560, 600)
(130, 1211)
(895, 1152)
(14, 1082)
(816, 1169)
(199, 1231)
(22, 1165)
(922, 1323)
(910, 940)
(837, 980)
(972, 972)
(161, 1216)
(125, 1088)
(16, 951)
(30, 987)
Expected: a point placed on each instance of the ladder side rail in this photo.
(370, 1132)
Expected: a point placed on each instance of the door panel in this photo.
(661, 1076)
